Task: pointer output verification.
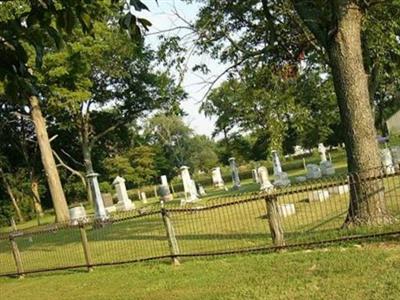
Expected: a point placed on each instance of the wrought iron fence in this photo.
(302, 215)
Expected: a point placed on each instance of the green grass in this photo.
(371, 271)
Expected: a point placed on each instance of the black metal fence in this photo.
(302, 215)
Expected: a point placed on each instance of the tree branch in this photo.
(73, 171)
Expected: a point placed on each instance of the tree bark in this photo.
(12, 197)
(49, 165)
(367, 205)
(87, 160)
(36, 196)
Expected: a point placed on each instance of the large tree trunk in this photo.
(49, 165)
(367, 204)
(12, 197)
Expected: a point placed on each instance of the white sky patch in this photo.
(163, 18)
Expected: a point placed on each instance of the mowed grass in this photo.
(234, 227)
(369, 271)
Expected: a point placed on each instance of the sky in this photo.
(162, 17)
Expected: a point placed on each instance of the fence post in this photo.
(172, 242)
(85, 245)
(16, 255)
(274, 221)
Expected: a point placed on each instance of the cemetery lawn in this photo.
(368, 271)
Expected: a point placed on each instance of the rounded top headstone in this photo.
(231, 158)
(184, 168)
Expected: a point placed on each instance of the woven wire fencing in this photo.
(301, 215)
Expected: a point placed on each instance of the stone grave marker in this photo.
(235, 173)
(124, 203)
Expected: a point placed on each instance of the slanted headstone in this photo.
(387, 162)
(313, 172)
(263, 179)
(235, 173)
(100, 210)
(276, 163)
(322, 151)
(188, 185)
(318, 196)
(143, 197)
(254, 175)
(124, 203)
(217, 178)
(167, 196)
(286, 210)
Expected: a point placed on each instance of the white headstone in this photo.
(276, 162)
(167, 196)
(286, 210)
(124, 203)
(387, 162)
(339, 189)
(217, 178)
(322, 151)
(318, 196)
(254, 175)
(78, 215)
(143, 197)
(193, 191)
(164, 180)
(100, 211)
(313, 172)
(188, 185)
(202, 191)
(263, 179)
(235, 173)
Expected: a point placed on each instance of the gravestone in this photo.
(188, 185)
(124, 203)
(167, 196)
(217, 178)
(78, 215)
(301, 179)
(143, 197)
(322, 151)
(235, 174)
(318, 195)
(164, 193)
(339, 189)
(254, 175)
(108, 202)
(286, 210)
(327, 168)
(282, 180)
(396, 156)
(386, 160)
(100, 210)
(276, 163)
(263, 179)
(202, 191)
(313, 172)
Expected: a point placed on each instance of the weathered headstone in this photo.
(167, 196)
(301, 179)
(282, 180)
(143, 197)
(313, 172)
(263, 179)
(124, 203)
(276, 162)
(387, 162)
(327, 168)
(235, 173)
(202, 191)
(164, 193)
(78, 215)
(107, 199)
(100, 211)
(188, 185)
(254, 175)
(322, 151)
(217, 178)
(396, 156)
